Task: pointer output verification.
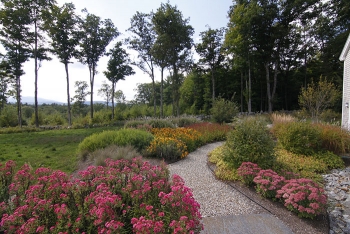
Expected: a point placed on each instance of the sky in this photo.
(52, 83)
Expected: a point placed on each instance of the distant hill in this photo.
(30, 101)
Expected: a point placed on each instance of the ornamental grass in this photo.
(211, 132)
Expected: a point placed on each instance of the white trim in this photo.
(345, 50)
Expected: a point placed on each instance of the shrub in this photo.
(184, 121)
(305, 166)
(304, 197)
(54, 119)
(247, 172)
(138, 124)
(268, 182)
(102, 117)
(250, 141)
(161, 123)
(334, 138)
(167, 148)
(187, 135)
(123, 197)
(223, 111)
(8, 117)
(137, 138)
(134, 123)
(113, 152)
(18, 130)
(300, 138)
(331, 160)
(211, 132)
(223, 171)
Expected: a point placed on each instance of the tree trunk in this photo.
(68, 96)
(113, 88)
(242, 91)
(19, 104)
(36, 75)
(154, 98)
(154, 91)
(268, 88)
(249, 91)
(161, 93)
(175, 92)
(92, 77)
(213, 83)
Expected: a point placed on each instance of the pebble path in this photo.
(218, 199)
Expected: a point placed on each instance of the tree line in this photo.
(268, 52)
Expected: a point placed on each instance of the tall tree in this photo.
(6, 78)
(106, 92)
(80, 96)
(62, 29)
(118, 68)
(38, 8)
(174, 36)
(142, 41)
(210, 50)
(16, 38)
(270, 23)
(95, 36)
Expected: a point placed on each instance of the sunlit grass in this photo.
(55, 149)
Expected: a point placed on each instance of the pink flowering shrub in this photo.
(268, 182)
(247, 171)
(303, 196)
(123, 197)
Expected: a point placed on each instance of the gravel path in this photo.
(215, 197)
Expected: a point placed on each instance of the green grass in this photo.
(56, 149)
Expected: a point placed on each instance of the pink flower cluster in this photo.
(302, 196)
(268, 182)
(123, 197)
(247, 171)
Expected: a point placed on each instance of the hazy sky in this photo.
(52, 79)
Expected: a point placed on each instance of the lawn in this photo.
(55, 149)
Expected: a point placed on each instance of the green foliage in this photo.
(223, 111)
(134, 123)
(223, 170)
(317, 97)
(331, 160)
(299, 137)
(137, 138)
(81, 122)
(55, 119)
(184, 121)
(250, 141)
(18, 130)
(102, 117)
(304, 166)
(161, 123)
(8, 117)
